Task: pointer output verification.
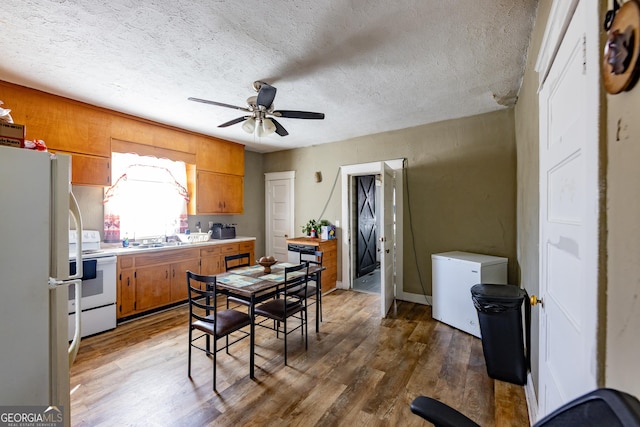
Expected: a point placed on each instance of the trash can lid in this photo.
(497, 292)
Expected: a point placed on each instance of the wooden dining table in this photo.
(253, 285)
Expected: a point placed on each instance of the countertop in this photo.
(117, 249)
(304, 240)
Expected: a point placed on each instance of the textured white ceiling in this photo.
(369, 65)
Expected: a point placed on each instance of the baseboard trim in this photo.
(532, 402)
(415, 298)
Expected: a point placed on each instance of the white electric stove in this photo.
(98, 301)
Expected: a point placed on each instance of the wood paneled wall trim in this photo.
(119, 146)
(65, 124)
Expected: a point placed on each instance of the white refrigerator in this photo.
(37, 209)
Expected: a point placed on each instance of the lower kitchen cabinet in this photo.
(179, 290)
(126, 289)
(153, 287)
(151, 280)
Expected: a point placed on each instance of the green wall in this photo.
(460, 187)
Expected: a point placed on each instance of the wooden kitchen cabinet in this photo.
(126, 290)
(212, 257)
(210, 260)
(218, 193)
(152, 280)
(329, 249)
(89, 170)
(179, 290)
(220, 156)
(153, 287)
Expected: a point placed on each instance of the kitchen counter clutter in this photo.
(153, 278)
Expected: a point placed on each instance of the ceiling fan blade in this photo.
(291, 114)
(280, 130)
(266, 95)
(233, 122)
(219, 104)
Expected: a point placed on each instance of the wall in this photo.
(461, 187)
(527, 137)
(623, 242)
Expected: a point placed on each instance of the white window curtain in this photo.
(148, 198)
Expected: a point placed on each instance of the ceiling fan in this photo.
(261, 117)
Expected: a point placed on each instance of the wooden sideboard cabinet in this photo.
(329, 249)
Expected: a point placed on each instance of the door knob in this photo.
(535, 300)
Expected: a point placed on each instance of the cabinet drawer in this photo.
(165, 257)
(210, 250)
(246, 246)
(125, 261)
(229, 249)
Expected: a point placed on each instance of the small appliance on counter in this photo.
(223, 231)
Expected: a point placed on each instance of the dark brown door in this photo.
(366, 242)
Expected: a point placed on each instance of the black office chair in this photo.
(601, 407)
(205, 316)
(280, 309)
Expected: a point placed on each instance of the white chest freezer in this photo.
(453, 275)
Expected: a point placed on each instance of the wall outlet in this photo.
(337, 223)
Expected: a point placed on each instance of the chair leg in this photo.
(306, 328)
(189, 362)
(215, 348)
(285, 341)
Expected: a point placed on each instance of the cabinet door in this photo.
(210, 260)
(219, 193)
(223, 157)
(153, 287)
(89, 170)
(179, 278)
(126, 292)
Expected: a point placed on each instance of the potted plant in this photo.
(311, 228)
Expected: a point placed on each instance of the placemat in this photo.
(238, 280)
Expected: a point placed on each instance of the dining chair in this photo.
(314, 292)
(210, 321)
(289, 305)
(237, 261)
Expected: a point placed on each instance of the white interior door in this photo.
(278, 213)
(387, 239)
(569, 219)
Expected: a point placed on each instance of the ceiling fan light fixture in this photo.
(266, 128)
(249, 125)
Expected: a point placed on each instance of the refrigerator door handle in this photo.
(74, 211)
(75, 343)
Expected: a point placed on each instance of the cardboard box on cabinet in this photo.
(12, 142)
(13, 130)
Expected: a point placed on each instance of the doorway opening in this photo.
(366, 274)
(386, 202)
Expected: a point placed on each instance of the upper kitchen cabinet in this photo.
(89, 170)
(220, 156)
(218, 193)
(63, 124)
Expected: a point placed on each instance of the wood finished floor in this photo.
(359, 370)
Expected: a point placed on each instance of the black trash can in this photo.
(501, 327)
